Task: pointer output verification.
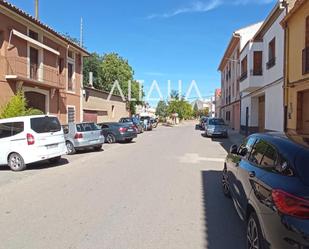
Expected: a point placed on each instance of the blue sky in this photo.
(163, 40)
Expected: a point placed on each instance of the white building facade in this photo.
(262, 77)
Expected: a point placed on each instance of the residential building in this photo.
(205, 104)
(296, 25)
(262, 77)
(99, 107)
(218, 101)
(39, 61)
(230, 70)
(145, 111)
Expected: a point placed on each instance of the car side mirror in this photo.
(243, 152)
(234, 149)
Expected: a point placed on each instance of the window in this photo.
(34, 63)
(71, 55)
(87, 127)
(45, 124)
(271, 54)
(257, 63)
(270, 158)
(60, 65)
(244, 69)
(71, 114)
(228, 116)
(11, 129)
(70, 76)
(305, 58)
(34, 35)
(258, 152)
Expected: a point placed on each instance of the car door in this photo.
(5, 137)
(250, 173)
(237, 165)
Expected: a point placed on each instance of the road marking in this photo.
(195, 158)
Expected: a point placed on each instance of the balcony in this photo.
(305, 61)
(252, 82)
(271, 63)
(243, 76)
(18, 69)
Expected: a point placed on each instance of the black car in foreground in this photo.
(267, 178)
(118, 132)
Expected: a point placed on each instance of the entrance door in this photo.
(302, 112)
(90, 116)
(262, 114)
(36, 100)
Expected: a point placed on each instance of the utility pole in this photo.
(81, 32)
(37, 9)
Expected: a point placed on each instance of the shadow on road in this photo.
(223, 227)
(40, 165)
(224, 142)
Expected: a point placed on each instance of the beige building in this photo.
(39, 61)
(296, 25)
(98, 108)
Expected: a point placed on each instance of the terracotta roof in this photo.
(30, 18)
(297, 6)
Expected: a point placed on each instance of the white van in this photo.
(30, 139)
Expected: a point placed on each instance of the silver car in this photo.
(215, 127)
(83, 136)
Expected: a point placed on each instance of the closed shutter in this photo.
(71, 114)
(257, 63)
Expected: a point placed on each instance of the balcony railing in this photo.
(243, 76)
(305, 61)
(271, 63)
(18, 66)
(256, 72)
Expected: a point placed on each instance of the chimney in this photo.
(91, 79)
(37, 9)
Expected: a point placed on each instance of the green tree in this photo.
(17, 106)
(182, 107)
(93, 64)
(162, 109)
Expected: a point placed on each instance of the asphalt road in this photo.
(161, 192)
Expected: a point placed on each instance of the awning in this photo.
(35, 42)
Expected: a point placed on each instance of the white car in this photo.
(30, 139)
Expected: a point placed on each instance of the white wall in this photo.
(274, 111)
(277, 31)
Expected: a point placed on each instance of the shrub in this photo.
(17, 106)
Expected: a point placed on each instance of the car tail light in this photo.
(78, 136)
(290, 204)
(30, 139)
(122, 129)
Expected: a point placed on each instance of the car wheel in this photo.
(254, 234)
(225, 186)
(16, 162)
(70, 148)
(110, 139)
(55, 159)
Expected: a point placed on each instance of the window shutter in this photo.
(307, 32)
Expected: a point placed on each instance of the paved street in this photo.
(160, 192)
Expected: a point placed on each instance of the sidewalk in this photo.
(235, 137)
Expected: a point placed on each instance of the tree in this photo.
(196, 111)
(182, 107)
(93, 64)
(17, 106)
(162, 109)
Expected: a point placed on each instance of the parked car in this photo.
(202, 123)
(147, 123)
(154, 122)
(135, 121)
(83, 136)
(25, 140)
(267, 178)
(118, 132)
(215, 127)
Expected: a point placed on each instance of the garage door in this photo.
(90, 116)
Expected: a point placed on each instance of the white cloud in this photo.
(205, 6)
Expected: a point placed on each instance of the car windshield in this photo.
(87, 127)
(216, 122)
(45, 124)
